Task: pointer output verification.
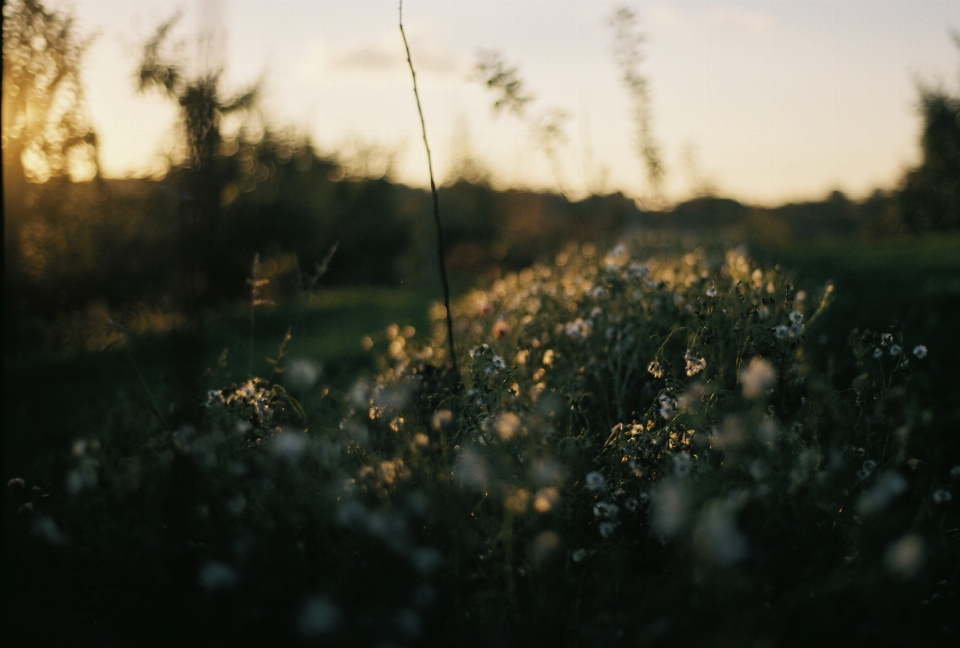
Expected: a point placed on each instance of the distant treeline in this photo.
(118, 242)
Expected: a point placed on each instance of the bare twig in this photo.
(436, 205)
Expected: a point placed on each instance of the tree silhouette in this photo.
(46, 131)
(202, 105)
(930, 193)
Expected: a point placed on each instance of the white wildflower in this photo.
(889, 485)
(920, 351)
(757, 378)
(682, 464)
(595, 482)
(289, 445)
(895, 350)
(941, 496)
(607, 528)
(670, 504)
(668, 406)
(606, 510)
(507, 425)
(905, 556)
(716, 536)
(637, 271)
(695, 364)
(302, 374)
(579, 328)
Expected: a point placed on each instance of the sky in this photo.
(768, 101)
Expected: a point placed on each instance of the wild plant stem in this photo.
(436, 205)
(143, 381)
(253, 314)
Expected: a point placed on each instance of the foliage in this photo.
(930, 193)
(545, 128)
(46, 130)
(638, 443)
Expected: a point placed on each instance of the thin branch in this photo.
(436, 206)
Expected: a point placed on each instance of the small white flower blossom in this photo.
(942, 496)
(607, 528)
(637, 271)
(878, 353)
(895, 350)
(886, 339)
(606, 510)
(596, 482)
(920, 351)
(711, 292)
(668, 406)
(682, 464)
(656, 369)
(695, 364)
(578, 328)
(757, 378)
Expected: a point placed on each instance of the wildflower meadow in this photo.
(636, 451)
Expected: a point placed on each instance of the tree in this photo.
(202, 106)
(46, 131)
(46, 128)
(929, 196)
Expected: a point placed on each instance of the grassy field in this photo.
(913, 282)
(51, 399)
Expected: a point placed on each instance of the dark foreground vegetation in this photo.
(642, 451)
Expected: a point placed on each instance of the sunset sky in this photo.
(769, 101)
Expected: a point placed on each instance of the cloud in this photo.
(386, 58)
(368, 58)
(715, 14)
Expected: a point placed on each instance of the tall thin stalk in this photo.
(436, 206)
